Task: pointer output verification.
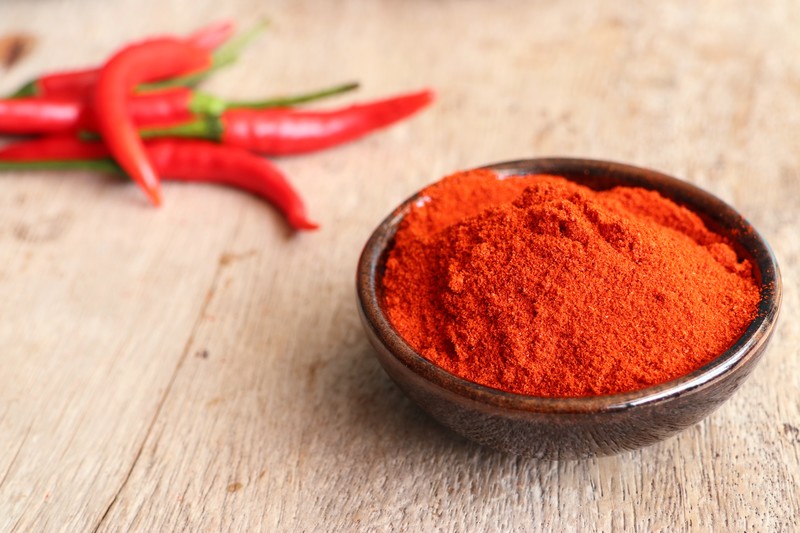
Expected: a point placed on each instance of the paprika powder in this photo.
(539, 286)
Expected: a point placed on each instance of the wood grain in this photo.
(196, 367)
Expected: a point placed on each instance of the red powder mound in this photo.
(539, 286)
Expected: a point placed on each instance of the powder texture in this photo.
(539, 286)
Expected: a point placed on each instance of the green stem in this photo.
(100, 165)
(208, 104)
(230, 51)
(287, 101)
(222, 56)
(207, 127)
(28, 90)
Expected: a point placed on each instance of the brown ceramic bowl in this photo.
(556, 428)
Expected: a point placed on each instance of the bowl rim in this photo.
(703, 203)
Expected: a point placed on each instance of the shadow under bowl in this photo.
(568, 428)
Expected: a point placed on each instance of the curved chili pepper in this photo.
(178, 159)
(169, 106)
(194, 160)
(78, 83)
(286, 131)
(137, 63)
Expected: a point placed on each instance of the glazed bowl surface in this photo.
(568, 428)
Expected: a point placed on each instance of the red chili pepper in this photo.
(22, 116)
(66, 84)
(179, 159)
(169, 106)
(78, 83)
(194, 160)
(51, 149)
(137, 63)
(25, 116)
(285, 131)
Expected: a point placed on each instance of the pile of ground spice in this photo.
(539, 286)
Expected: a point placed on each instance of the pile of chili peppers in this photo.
(139, 114)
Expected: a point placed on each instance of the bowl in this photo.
(570, 428)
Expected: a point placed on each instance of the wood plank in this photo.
(99, 298)
(198, 368)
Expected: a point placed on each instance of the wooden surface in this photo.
(197, 367)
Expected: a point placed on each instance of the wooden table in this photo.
(198, 367)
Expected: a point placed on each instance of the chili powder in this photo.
(540, 286)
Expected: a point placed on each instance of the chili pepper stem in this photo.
(26, 91)
(230, 51)
(206, 127)
(98, 165)
(287, 101)
(207, 104)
